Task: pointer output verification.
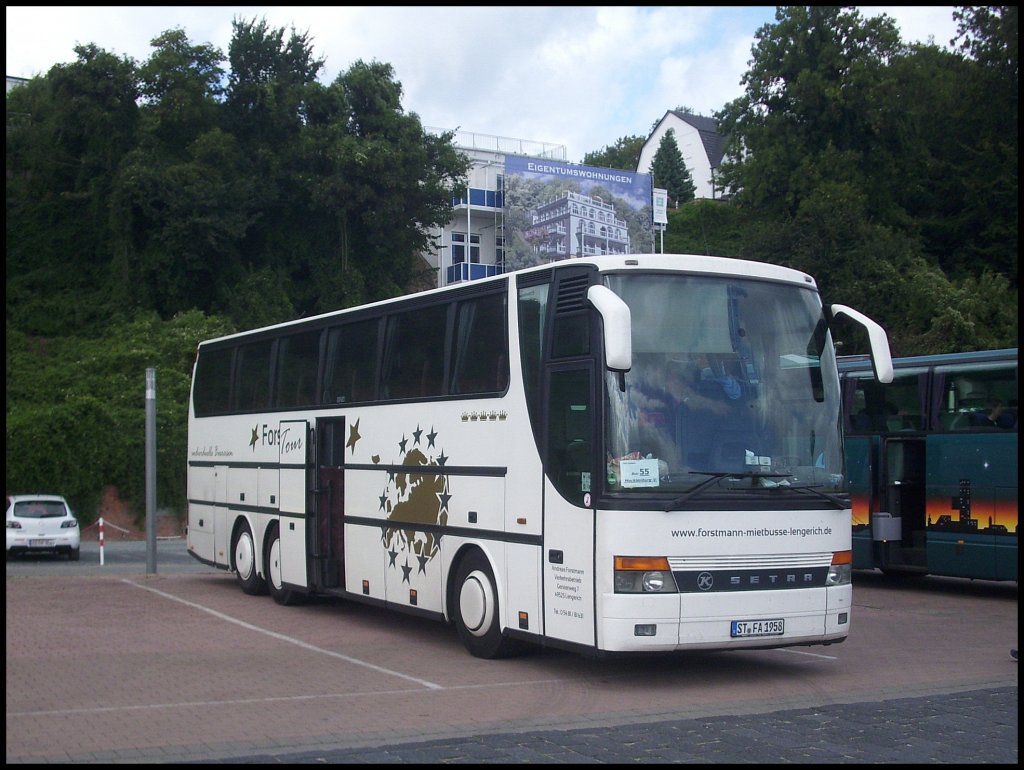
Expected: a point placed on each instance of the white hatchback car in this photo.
(42, 524)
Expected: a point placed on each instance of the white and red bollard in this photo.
(101, 541)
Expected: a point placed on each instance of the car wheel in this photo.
(74, 554)
(243, 558)
(476, 609)
(272, 569)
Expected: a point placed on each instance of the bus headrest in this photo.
(969, 389)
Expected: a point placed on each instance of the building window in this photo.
(459, 248)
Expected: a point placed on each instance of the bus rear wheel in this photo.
(243, 558)
(476, 609)
(272, 569)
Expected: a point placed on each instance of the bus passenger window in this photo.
(414, 354)
(213, 382)
(252, 376)
(350, 374)
(481, 342)
(297, 359)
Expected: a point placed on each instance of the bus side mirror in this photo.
(618, 334)
(881, 358)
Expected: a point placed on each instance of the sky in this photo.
(582, 77)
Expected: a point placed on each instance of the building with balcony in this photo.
(575, 225)
(569, 210)
(472, 244)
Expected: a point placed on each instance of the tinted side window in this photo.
(983, 396)
(533, 302)
(213, 382)
(252, 376)
(297, 359)
(351, 371)
(481, 346)
(414, 354)
(874, 407)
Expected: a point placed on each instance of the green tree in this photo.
(874, 167)
(806, 112)
(988, 35)
(669, 171)
(69, 132)
(76, 409)
(181, 223)
(709, 227)
(181, 85)
(623, 155)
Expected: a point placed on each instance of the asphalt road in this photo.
(119, 557)
(111, 664)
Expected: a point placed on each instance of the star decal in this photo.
(353, 436)
(255, 436)
(416, 434)
(423, 563)
(402, 443)
(392, 554)
(383, 501)
(405, 572)
(431, 436)
(441, 459)
(444, 497)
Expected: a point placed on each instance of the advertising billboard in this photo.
(558, 210)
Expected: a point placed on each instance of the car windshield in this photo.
(40, 509)
(733, 387)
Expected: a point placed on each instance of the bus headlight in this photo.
(643, 575)
(839, 572)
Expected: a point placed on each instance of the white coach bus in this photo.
(620, 454)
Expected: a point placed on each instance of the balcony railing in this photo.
(471, 271)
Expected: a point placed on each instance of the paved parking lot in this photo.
(122, 666)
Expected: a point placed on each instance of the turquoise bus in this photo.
(932, 459)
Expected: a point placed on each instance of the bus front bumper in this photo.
(724, 620)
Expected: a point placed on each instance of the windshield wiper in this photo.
(718, 476)
(836, 500)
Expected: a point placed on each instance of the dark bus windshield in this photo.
(731, 379)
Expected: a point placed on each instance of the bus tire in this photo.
(476, 612)
(272, 569)
(243, 561)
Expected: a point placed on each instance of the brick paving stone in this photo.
(976, 727)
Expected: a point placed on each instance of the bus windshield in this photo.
(733, 386)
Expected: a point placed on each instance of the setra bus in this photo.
(932, 459)
(617, 454)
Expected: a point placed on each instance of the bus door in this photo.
(327, 535)
(568, 509)
(900, 530)
(292, 483)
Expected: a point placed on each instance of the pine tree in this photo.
(669, 171)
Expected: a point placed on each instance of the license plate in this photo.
(40, 543)
(744, 628)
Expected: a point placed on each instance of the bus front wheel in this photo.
(243, 557)
(476, 609)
